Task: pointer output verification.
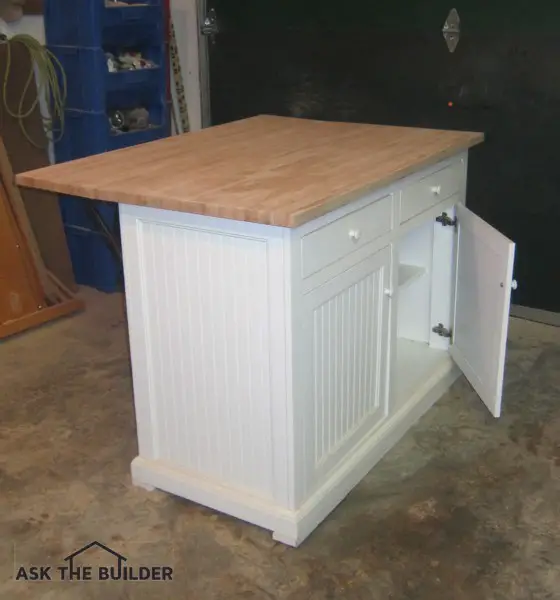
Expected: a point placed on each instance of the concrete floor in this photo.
(465, 507)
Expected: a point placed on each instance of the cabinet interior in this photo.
(419, 251)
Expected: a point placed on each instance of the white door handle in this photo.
(354, 234)
(436, 190)
(388, 293)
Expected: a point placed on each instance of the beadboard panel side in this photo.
(207, 320)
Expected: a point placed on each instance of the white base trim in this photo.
(210, 493)
(372, 450)
(292, 527)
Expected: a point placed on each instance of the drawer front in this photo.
(332, 242)
(430, 190)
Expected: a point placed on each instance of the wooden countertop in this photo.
(273, 170)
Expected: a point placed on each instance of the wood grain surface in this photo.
(42, 206)
(20, 288)
(273, 170)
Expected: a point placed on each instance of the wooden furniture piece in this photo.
(299, 293)
(20, 289)
(24, 301)
(30, 295)
(42, 207)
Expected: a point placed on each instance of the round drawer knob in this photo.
(354, 234)
(436, 190)
(388, 292)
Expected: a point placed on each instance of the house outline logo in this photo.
(69, 571)
(70, 558)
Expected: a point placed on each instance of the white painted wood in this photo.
(267, 388)
(205, 345)
(140, 483)
(362, 251)
(340, 238)
(372, 449)
(415, 362)
(214, 494)
(430, 190)
(443, 277)
(346, 338)
(292, 527)
(198, 301)
(416, 249)
(409, 273)
(482, 299)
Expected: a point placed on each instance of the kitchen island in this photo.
(298, 294)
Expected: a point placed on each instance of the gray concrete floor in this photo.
(465, 507)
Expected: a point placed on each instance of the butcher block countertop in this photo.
(273, 170)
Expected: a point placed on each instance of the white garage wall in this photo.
(184, 15)
(32, 25)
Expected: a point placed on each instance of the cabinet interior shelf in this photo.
(409, 273)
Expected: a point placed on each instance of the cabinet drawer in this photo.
(430, 190)
(332, 242)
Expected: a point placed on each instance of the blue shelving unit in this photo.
(94, 23)
(80, 33)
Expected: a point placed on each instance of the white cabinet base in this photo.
(274, 367)
(292, 527)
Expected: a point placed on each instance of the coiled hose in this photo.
(51, 85)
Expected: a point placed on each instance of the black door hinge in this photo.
(446, 220)
(442, 331)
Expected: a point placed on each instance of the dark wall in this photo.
(388, 63)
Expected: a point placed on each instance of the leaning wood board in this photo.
(272, 170)
(20, 290)
(41, 206)
(22, 301)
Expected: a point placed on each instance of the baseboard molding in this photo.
(223, 498)
(293, 527)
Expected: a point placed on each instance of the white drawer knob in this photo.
(436, 190)
(388, 293)
(354, 234)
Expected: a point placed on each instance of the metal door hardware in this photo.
(442, 331)
(210, 25)
(452, 30)
(446, 220)
(513, 284)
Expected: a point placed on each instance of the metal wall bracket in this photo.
(209, 26)
(452, 30)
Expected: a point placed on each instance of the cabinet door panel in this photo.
(482, 300)
(347, 340)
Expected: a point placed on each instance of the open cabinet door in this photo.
(482, 300)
